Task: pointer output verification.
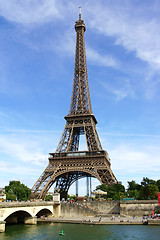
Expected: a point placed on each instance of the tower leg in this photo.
(90, 185)
(87, 183)
(77, 188)
(63, 194)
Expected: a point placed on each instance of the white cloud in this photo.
(129, 159)
(129, 134)
(151, 84)
(133, 162)
(67, 43)
(27, 131)
(94, 57)
(30, 12)
(15, 169)
(131, 27)
(129, 24)
(22, 150)
(123, 91)
(102, 60)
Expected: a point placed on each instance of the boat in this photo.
(61, 233)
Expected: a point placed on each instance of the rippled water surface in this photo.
(80, 231)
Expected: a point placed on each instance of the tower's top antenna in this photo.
(79, 13)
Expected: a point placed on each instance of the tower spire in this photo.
(80, 100)
(79, 13)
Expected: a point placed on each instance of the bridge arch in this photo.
(44, 212)
(19, 216)
(26, 212)
(9, 211)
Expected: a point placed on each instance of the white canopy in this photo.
(99, 192)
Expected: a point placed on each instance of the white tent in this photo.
(99, 192)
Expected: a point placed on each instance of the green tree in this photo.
(133, 190)
(133, 186)
(133, 194)
(158, 184)
(115, 191)
(17, 191)
(102, 187)
(152, 191)
(146, 190)
(10, 195)
(149, 191)
(147, 181)
(49, 197)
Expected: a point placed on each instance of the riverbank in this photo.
(95, 220)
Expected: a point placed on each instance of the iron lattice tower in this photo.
(67, 164)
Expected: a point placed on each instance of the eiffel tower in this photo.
(67, 164)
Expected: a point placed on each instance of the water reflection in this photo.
(80, 231)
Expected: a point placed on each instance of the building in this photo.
(2, 195)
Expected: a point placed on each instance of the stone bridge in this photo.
(27, 212)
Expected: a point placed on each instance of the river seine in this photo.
(80, 231)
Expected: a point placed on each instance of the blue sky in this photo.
(37, 47)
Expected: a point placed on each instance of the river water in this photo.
(80, 232)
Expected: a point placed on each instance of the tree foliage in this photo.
(49, 197)
(158, 184)
(133, 186)
(148, 189)
(17, 191)
(115, 191)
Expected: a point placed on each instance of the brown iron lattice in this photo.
(68, 164)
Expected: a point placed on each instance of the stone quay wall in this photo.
(104, 208)
(90, 208)
(75, 210)
(138, 207)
